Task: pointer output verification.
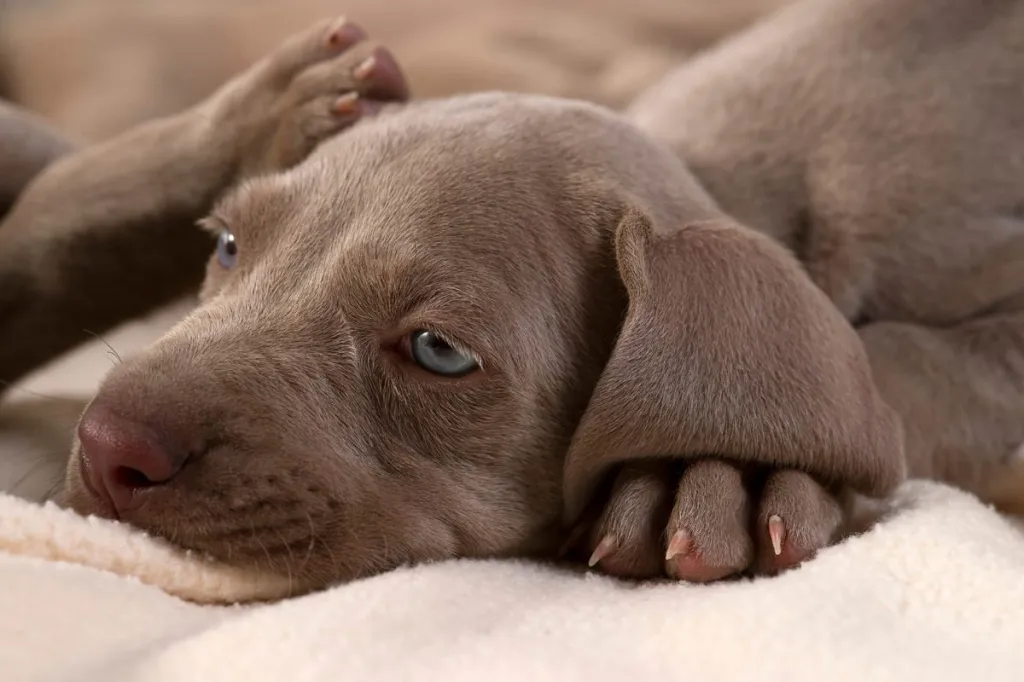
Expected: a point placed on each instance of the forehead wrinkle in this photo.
(396, 273)
(490, 293)
(288, 249)
(266, 304)
(293, 266)
(389, 281)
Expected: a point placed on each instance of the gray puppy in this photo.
(791, 272)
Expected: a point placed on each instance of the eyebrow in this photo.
(409, 294)
(469, 328)
(254, 202)
(212, 223)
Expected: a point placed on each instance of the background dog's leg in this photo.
(106, 234)
(960, 392)
(29, 145)
(101, 236)
(33, 434)
(34, 428)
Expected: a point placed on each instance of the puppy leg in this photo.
(29, 145)
(106, 234)
(960, 394)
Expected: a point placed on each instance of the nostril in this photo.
(126, 477)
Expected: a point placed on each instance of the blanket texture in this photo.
(933, 592)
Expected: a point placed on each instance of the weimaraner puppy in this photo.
(790, 273)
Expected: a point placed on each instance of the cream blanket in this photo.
(935, 592)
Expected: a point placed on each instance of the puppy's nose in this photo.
(122, 458)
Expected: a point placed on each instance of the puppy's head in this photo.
(398, 340)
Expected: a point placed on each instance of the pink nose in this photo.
(122, 459)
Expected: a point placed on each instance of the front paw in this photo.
(711, 521)
(317, 84)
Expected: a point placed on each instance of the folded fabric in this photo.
(934, 592)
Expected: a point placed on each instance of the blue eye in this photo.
(227, 249)
(435, 355)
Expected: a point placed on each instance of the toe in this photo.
(368, 71)
(322, 41)
(378, 76)
(796, 518)
(343, 34)
(708, 537)
(626, 541)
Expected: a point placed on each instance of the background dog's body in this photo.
(883, 142)
(123, 62)
(796, 157)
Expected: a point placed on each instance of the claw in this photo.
(346, 104)
(344, 34)
(777, 532)
(364, 68)
(681, 543)
(604, 549)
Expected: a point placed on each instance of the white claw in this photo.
(609, 543)
(680, 543)
(777, 532)
(364, 68)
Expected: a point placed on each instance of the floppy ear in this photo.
(729, 350)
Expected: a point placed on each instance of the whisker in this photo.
(266, 552)
(171, 535)
(35, 468)
(288, 566)
(35, 394)
(334, 559)
(312, 541)
(53, 491)
(111, 352)
(384, 543)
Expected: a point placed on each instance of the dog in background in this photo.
(123, 62)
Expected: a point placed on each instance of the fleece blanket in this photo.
(935, 591)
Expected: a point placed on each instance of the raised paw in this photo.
(712, 521)
(316, 84)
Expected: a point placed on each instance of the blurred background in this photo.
(96, 67)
